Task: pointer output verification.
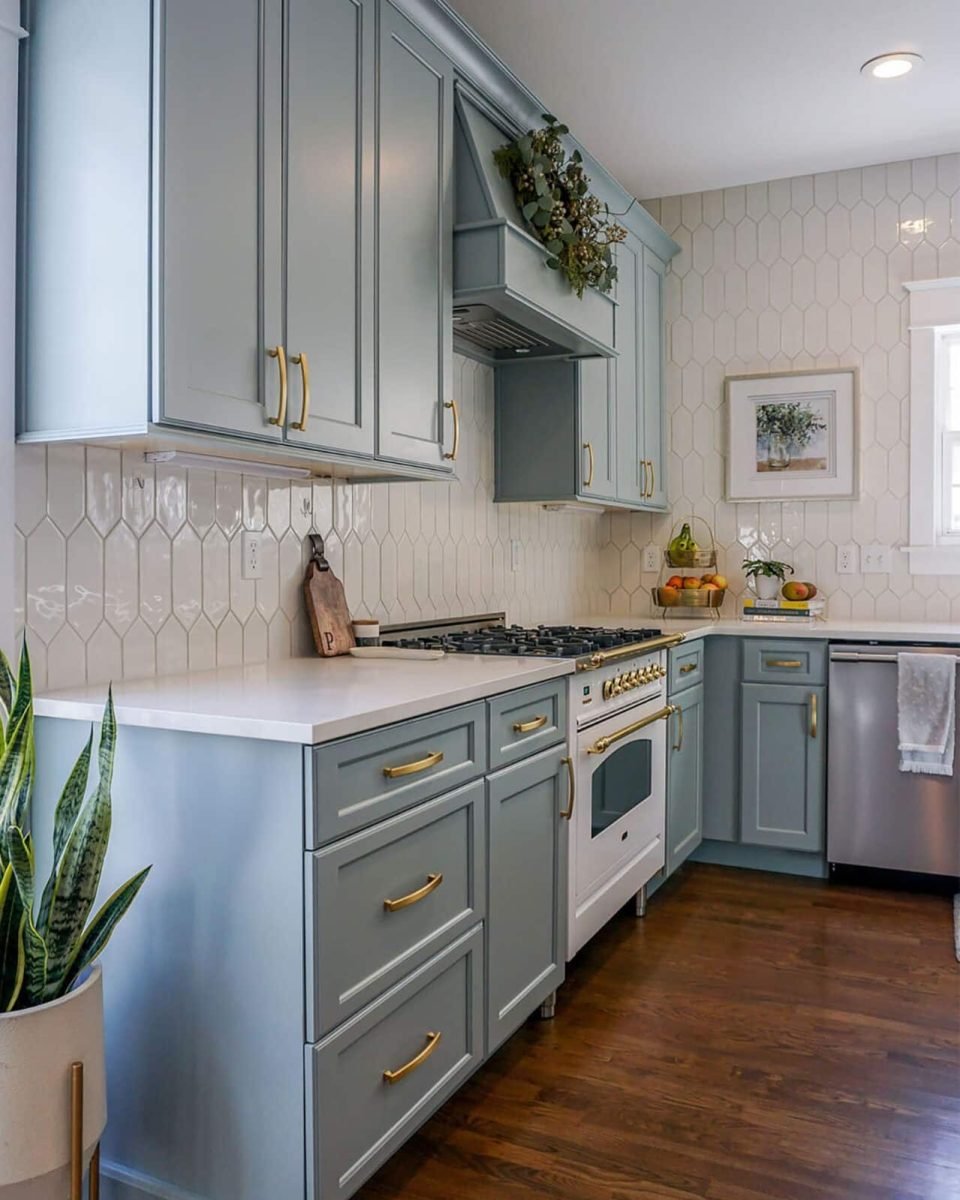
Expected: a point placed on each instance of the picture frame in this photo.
(792, 435)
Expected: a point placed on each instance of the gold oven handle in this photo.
(588, 446)
(433, 1041)
(814, 715)
(452, 405)
(433, 882)
(414, 768)
(602, 745)
(280, 355)
(529, 726)
(567, 812)
(305, 380)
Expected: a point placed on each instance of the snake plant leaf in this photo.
(21, 858)
(100, 929)
(23, 697)
(8, 684)
(68, 806)
(16, 774)
(13, 958)
(108, 744)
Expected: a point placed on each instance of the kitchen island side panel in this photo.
(203, 980)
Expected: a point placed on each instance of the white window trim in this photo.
(934, 306)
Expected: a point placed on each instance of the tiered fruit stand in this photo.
(695, 596)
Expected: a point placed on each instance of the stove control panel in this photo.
(629, 681)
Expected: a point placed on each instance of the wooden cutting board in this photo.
(326, 604)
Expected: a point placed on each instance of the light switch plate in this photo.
(876, 559)
(251, 564)
(651, 558)
(848, 559)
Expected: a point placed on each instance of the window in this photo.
(934, 427)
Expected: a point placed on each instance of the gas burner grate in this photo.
(545, 641)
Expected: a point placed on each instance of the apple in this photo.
(720, 581)
(675, 581)
(708, 578)
(710, 587)
(691, 582)
(669, 594)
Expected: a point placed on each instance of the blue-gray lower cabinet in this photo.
(782, 767)
(685, 777)
(526, 930)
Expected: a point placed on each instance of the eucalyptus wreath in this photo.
(552, 192)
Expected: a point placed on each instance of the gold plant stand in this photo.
(76, 1142)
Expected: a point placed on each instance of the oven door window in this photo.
(621, 781)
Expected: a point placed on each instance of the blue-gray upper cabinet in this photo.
(685, 777)
(526, 889)
(330, 128)
(414, 202)
(597, 459)
(783, 761)
(652, 350)
(632, 472)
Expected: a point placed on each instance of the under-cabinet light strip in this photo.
(213, 462)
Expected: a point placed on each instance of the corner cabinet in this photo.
(268, 263)
(591, 430)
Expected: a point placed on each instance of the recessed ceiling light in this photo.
(891, 66)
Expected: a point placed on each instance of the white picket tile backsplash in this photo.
(127, 570)
(790, 275)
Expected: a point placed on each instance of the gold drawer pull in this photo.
(588, 446)
(414, 768)
(433, 1041)
(792, 664)
(529, 726)
(280, 355)
(687, 668)
(305, 402)
(567, 812)
(455, 448)
(814, 715)
(433, 882)
(678, 744)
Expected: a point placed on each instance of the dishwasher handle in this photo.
(866, 656)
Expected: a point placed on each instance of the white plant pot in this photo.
(767, 586)
(37, 1049)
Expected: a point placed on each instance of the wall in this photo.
(787, 275)
(123, 570)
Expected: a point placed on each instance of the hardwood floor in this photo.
(757, 1037)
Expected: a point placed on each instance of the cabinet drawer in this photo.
(385, 899)
(360, 780)
(779, 660)
(357, 1116)
(686, 667)
(527, 721)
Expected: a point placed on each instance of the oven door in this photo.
(621, 791)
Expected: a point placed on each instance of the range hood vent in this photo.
(508, 305)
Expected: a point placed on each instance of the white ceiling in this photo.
(676, 96)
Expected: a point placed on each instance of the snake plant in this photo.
(46, 941)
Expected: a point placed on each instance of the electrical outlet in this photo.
(876, 559)
(651, 558)
(848, 559)
(514, 554)
(251, 564)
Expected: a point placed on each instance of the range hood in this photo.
(508, 305)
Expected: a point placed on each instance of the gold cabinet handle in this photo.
(433, 1041)
(280, 355)
(678, 744)
(602, 745)
(305, 380)
(414, 768)
(646, 478)
(687, 668)
(791, 664)
(814, 715)
(529, 726)
(433, 882)
(567, 812)
(452, 405)
(653, 478)
(588, 446)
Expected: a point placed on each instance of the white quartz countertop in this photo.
(828, 630)
(303, 700)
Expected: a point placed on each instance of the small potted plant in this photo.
(766, 575)
(51, 996)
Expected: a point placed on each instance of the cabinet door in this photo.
(685, 778)
(782, 765)
(330, 264)
(652, 368)
(631, 476)
(527, 890)
(220, 214)
(415, 245)
(598, 424)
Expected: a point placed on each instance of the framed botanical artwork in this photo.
(792, 435)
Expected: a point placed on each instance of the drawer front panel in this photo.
(357, 1117)
(780, 660)
(686, 667)
(526, 722)
(385, 899)
(358, 781)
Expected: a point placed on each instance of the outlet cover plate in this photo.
(848, 559)
(652, 555)
(251, 564)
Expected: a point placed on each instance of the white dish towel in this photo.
(926, 712)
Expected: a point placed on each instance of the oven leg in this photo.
(548, 1009)
(641, 901)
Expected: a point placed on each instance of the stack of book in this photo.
(793, 611)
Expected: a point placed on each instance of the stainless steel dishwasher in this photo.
(878, 816)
